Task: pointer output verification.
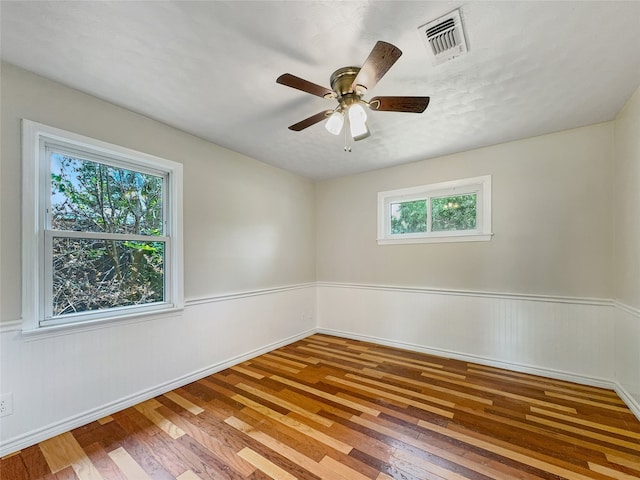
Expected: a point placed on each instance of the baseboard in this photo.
(629, 399)
(516, 367)
(44, 433)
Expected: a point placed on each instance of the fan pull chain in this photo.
(347, 137)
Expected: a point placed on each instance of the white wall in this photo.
(626, 246)
(551, 220)
(249, 263)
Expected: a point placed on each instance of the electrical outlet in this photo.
(6, 404)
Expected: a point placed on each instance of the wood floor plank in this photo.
(328, 408)
(574, 386)
(627, 461)
(184, 403)
(318, 468)
(273, 365)
(397, 359)
(514, 396)
(328, 339)
(326, 396)
(586, 433)
(575, 399)
(36, 465)
(548, 386)
(425, 386)
(525, 429)
(66, 474)
(141, 441)
(64, 451)
(128, 465)
(105, 420)
(202, 462)
(217, 448)
(513, 452)
(339, 471)
(265, 465)
(403, 391)
(582, 421)
(165, 425)
(391, 396)
(300, 427)
(342, 356)
(286, 361)
(288, 405)
(610, 472)
(13, 467)
(304, 360)
(188, 475)
(287, 435)
(450, 454)
(246, 370)
(103, 463)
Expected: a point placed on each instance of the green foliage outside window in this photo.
(453, 213)
(409, 217)
(96, 273)
(447, 214)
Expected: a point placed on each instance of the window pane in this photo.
(93, 197)
(93, 274)
(453, 213)
(409, 217)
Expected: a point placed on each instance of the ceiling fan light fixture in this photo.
(348, 86)
(358, 122)
(334, 122)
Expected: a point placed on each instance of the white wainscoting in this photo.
(565, 338)
(64, 381)
(627, 355)
(61, 382)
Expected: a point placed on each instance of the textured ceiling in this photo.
(209, 68)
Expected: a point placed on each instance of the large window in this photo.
(102, 231)
(456, 211)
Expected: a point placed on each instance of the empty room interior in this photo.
(319, 240)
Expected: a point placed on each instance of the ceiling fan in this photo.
(348, 86)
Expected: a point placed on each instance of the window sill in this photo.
(442, 239)
(38, 333)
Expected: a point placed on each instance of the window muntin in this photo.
(459, 210)
(102, 230)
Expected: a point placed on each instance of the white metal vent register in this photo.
(444, 37)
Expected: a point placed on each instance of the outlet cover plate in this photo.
(6, 404)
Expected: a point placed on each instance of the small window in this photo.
(456, 211)
(102, 230)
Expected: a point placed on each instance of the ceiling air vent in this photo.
(444, 37)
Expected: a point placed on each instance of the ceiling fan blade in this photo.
(304, 85)
(307, 122)
(399, 104)
(379, 61)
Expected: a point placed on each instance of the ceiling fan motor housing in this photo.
(341, 81)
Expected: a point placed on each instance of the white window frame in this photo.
(481, 186)
(37, 139)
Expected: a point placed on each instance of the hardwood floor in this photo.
(329, 408)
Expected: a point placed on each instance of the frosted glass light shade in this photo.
(334, 123)
(358, 122)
